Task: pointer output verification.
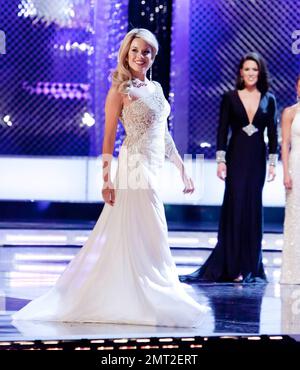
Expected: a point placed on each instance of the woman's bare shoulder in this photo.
(114, 92)
(289, 112)
(114, 96)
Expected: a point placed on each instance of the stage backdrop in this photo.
(55, 63)
(54, 74)
(56, 56)
(209, 38)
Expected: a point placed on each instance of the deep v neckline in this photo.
(245, 111)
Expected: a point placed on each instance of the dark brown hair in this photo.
(263, 79)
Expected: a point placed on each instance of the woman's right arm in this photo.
(113, 108)
(222, 136)
(286, 122)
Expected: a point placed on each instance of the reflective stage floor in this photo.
(32, 260)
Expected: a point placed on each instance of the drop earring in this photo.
(150, 77)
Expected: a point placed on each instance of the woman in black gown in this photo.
(246, 111)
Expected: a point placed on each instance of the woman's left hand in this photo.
(271, 173)
(188, 184)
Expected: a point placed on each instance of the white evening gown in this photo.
(125, 273)
(290, 271)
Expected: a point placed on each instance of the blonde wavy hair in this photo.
(121, 76)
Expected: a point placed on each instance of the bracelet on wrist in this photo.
(220, 156)
(273, 159)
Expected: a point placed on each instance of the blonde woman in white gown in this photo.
(125, 273)
(290, 272)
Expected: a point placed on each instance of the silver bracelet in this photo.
(273, 159)
(220, 156)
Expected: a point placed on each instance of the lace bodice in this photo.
(295, 133)
(145, 123)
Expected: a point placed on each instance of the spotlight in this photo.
(27, 9)
(205, 145)
(6, 120)
(87, 120)
(68, 46)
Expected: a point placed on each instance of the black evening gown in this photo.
(238, 250)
